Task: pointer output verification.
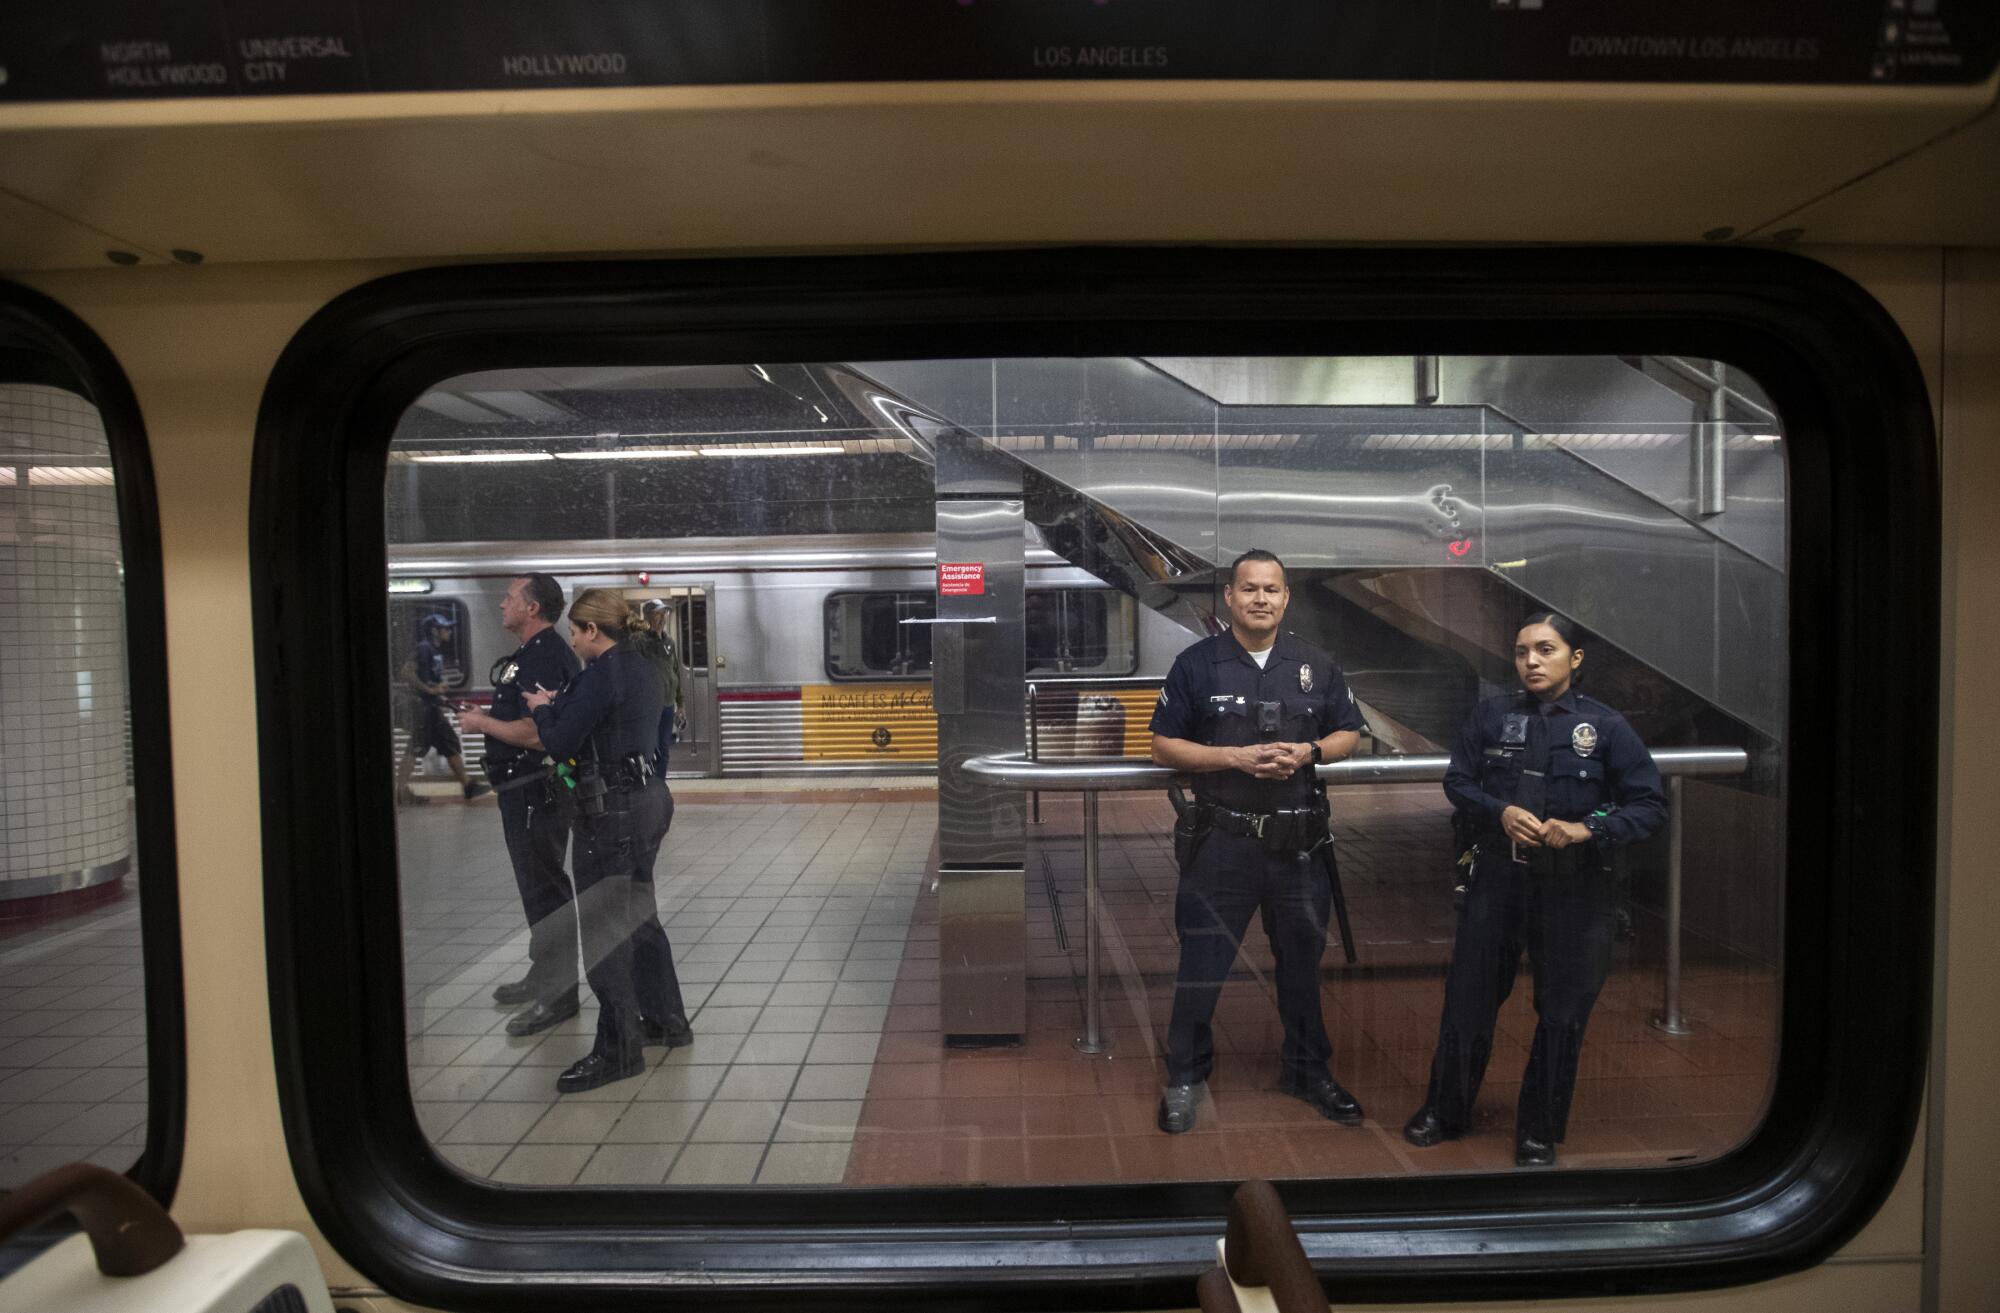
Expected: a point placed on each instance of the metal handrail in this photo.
(1091, 776)
(1014, 770)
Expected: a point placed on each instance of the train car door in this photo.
(690, 622)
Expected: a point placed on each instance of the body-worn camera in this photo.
(1270, 715)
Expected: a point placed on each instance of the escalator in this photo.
(1422, 506)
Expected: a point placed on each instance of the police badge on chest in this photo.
(1305, 679)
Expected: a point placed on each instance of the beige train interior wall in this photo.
(198, 345)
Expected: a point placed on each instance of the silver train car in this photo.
(806, 655)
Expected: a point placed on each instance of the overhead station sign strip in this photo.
(139, 49)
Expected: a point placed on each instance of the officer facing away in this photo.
(1249, 713)
(534, 814)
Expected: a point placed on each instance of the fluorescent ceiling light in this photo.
(68, 476)
(479, 457)
(774, 451)
(631, 453)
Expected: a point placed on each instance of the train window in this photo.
(1412, 622)
(1080, 630)
(911, 951)
(879, 635)
(89, 987)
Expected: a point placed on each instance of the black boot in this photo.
(1424, 1129)
(674, 1032)
(595, 1069)
(542, 1015)
(1530, 1152)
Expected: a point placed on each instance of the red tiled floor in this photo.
(974, 1078)
(1070, 1159)
(892, 1081)
(1043, 1112)
(1062, 1115)
(1070, 1075)
(985, 1118)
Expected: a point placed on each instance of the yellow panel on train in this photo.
(869, 722)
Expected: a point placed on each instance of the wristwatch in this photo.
(1595, 824)
(1318, 756)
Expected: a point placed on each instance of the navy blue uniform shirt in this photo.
(544, 661)
(1212, 695)
(1595, 769)
(614, 705)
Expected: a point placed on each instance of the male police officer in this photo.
(1249, 713)
(533, 813)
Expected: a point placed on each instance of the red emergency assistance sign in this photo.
(961, 579)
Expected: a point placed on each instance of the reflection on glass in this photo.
(72, 1015)
(789, 514)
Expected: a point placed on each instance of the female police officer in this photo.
(1549, 780)
(605, 727)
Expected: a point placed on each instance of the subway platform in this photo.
(806, 935)
(805, 931)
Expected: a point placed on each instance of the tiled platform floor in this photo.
(72, 1041)
(801, 917)
(789, 922)
(806, 936)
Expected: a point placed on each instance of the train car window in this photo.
(694, 632)
(879, 635)
(1552, 534)
(89, 967)
(1080, 630)
(903, 948)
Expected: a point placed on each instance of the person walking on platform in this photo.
(1549, 781)
(534, 809)
(424, 673)
(603, 730)
(1249, 713)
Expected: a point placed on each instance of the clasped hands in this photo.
(1521, 826)
(1271, 761)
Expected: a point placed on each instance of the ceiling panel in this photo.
(793, 168)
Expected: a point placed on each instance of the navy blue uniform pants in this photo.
(1230, 879)
(1567, 924)
(627, 958)
(537, 836)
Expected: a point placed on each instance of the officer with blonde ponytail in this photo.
(603, 730)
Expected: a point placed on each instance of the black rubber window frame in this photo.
(868, 674)
(42, 342)
(1860, 840)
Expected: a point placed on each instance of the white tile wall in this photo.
(63, 736)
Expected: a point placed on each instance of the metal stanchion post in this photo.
(1669, 1018)
(1092, 1039)
(1034, 753)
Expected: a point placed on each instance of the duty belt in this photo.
(1270, 827)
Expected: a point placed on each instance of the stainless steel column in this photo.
(978, 654)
